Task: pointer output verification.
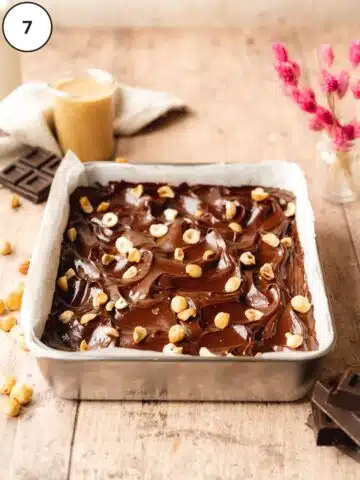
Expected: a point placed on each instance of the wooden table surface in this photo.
(238, 115)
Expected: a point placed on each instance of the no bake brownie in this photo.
(197, 270)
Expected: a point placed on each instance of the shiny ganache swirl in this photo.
(158, 276)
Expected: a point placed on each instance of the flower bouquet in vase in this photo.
(336, 149)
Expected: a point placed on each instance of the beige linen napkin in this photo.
(26, 114)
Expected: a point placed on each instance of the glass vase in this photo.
(338, 172)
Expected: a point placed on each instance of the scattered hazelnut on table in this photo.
(235, 227)
(137, 191)
(222, 320)
(2, 306)
(271, 239)
(158, 230)
(267, 272)
(290, 210)
(22, 393)
(294, 340)
(184, 315)
(123, 245)
(66, 316)
(191, 236)
(166, 192)
(193, 270)
(110, 220)
(10, 407)
(286, 241)
(247, 258)
(6, 384)
(134, 255)
(179, 254)
(259, 194)
(170, 214)
(15, 202)
(103, 207)
(85, 205)
(232, 284)
(176, 333)
(300, 304)
(131, 272)
(139, 334)
(72, 234)
(230, 210)
(178, 304)
(18, 337)
(7, 323)
(13, 301)
(253, 315)
(24, 267)
(5, 247)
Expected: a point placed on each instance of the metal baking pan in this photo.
(125, 374)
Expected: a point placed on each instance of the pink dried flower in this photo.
(324, 116)
(343, 83)
(329, 82)
(327, 55)
(354, 53)
(305, 98)
(349, 131)
(288, 72)
(315, 124)
(355, 88)
(340, 139)
(280, 52)
(355, 125)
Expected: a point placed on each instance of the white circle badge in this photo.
(27, 26)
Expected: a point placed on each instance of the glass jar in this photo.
(338, 172)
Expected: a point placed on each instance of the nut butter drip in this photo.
(260, 313)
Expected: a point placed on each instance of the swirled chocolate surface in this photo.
(159, 276)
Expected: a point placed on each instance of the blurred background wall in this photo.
(202, 12)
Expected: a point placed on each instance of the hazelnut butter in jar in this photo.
(83, 114)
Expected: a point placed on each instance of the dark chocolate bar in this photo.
(346, 394)
(31, 176)
(347, 420)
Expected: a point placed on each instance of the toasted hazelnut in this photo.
(205, 352)
(300, 304)
(259, 194)
(87, 317)
(24, 267)
(191, 236)
(178, 304)
(22, 393)
(15, 201)
(121, 303)
(230, 210)
(103, 207)
(186, 314)
(121, 160)
(166, 192)
(18, 337)
(10, 407)
(110, 306)
(194, 271)
(5, 247)
(290, 209)
(99, 299)
(170, 214)
(6, 384)
(2, 306)
(85, 205)
(106, 259)
(63, 283)
(208, 255)
(110, 219)
(172, 349)
(66, 316)
(235, 227)
(232, 284)
(137, 191)
(176, 333)
(294, 340)
(83, 346)
(123, 245)
(111, 332)
(199, 213)
(7, 323)
(271, 239)
(13, 301)
(179, 254)
(70, 273)
(253, 315)
(158, 230)
(134, 255)
(72, 234)
(267, 272)
(247, 258)
(139, 334)
(222, 320)
(286, 241)
(131, 272)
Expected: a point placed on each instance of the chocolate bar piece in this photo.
(31, 176)
(346, 394)
(347, 420)
(327, 432)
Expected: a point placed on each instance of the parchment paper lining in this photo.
(41, 278)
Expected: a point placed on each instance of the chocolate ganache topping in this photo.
(197, 270)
